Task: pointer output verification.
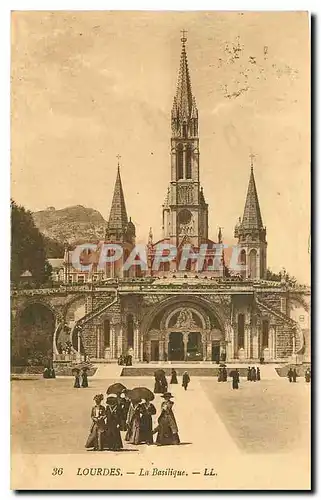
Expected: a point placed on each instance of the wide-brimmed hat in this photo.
(167, 395)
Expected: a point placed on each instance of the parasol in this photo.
(159, 372)
(75, 370)
(233, 373)
(116, 388)
(139, 393)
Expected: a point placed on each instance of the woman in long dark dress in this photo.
(146, 423)
(84, 379)
(174, 377)
(249, 374)
(112, 437)
(77, 379)
(159, 387)
(308, 375)
(96, 435)
(258, 374)
(133, 422)
(167, 430)
(235, 380)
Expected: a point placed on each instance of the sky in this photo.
(87, 86)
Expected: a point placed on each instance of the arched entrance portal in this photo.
(33, 338)
(183, 330)
(176, 347)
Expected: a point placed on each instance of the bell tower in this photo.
(185, 212)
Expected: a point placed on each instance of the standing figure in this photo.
(186, 380)
(220, 375)
(158, 387)
(174, 377)
(253, 374)
(123, 405)
(46, 372)
(77, 379)
(290, 375)
(164, 383)
(84, 378)
(224, 374)
(307, 375)
(249, 373)
(133, 422)
(258, 374)
(167, 430)
(146, 423)
(294, 375)
(95, 438)
(235, 379)
(112, 437)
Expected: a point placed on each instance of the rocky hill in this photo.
(73, 225)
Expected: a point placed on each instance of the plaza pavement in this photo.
(229, 432)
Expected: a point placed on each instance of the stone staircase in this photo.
(293, 325)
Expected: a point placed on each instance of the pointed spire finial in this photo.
(118, 159)
(252, 156)
(183, 38)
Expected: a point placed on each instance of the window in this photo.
(130, 331)
(70, 278)
(81, 279)
(240, 331)
(265, 334)
(179, 161)
(188, 162)
(106, 333)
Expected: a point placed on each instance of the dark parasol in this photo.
(117, 388)
(139, 393)
(159, 372)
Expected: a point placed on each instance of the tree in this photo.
(27, 247)
(281, 275)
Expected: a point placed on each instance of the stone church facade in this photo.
(192, 315)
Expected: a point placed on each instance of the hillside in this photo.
(74, 225)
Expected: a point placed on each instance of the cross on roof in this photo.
(252, 156)
(118, 158)
(184, 39)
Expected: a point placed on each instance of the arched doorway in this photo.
(194, 347)
(32, 342)
(176, 347)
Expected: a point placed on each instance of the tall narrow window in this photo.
(240, 331)
(252, 263)
(188, 162)
(179, 161)
(106, 333)
(265, 334)
(130, 331)
(184, 129)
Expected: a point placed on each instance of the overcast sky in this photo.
(87, 86)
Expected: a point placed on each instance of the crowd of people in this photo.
(49, 372)
(125, 360)
(131, 412)
(253, 374)
(81, 378)
(293, 375)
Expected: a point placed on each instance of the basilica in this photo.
(206, 314)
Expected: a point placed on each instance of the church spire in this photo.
(252, 218)
(118, 220)
(184, 110)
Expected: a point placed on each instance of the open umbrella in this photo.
(232, 373)
(75, 371)
(141, 393)
(117, 388)
(159, 372)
